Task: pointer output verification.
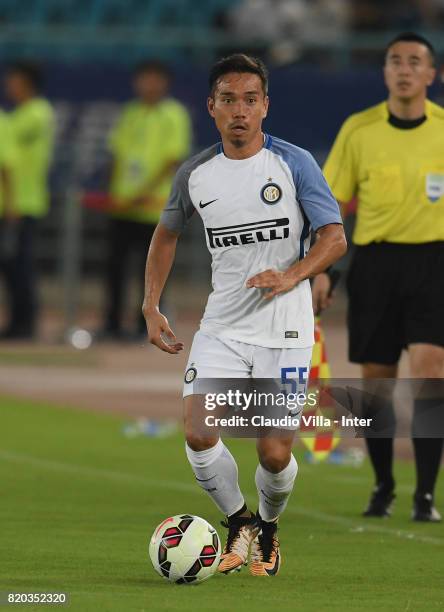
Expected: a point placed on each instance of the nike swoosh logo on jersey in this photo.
(206, 203)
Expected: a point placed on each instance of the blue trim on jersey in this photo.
(304, 235)
(312, 191)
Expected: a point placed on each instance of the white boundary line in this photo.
(351, 525)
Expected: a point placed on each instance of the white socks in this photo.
(216, 472)
(274, 489)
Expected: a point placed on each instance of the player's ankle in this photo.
(243, 512)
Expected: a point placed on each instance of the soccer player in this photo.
(151, 138)
(392, 157)
(258, 196)
(32, 132)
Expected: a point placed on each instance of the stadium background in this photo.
(325, 63)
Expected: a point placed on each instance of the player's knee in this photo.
(427, 362)
(275, 460)
(199, 443)
(429, 369)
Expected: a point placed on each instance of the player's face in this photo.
(408, 70)
(238, 107)
(151, 86)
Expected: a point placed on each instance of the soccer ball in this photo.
(185, 549)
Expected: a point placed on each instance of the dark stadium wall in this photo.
(307, 104)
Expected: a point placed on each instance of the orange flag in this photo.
(321, 440)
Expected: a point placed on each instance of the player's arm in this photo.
(175, 216)
(158, 265)
(328, 248)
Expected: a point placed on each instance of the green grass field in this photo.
(79, 502)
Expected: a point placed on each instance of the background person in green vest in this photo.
(31, 124)
(6, 160)
(7, 216)
(151, 137)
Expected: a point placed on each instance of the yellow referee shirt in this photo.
(397, 175)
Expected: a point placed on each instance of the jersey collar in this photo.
(386, 113)
(267, 145)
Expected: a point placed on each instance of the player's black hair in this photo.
(413, 37)
(242, 63)
(152, 65)
(29, 70)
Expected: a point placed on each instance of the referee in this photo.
(391, 156)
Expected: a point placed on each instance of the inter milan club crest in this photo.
(190, 375)
(271, 193)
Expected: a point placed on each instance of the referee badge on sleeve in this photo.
(434, 186)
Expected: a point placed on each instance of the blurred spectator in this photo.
(31, 124)
(280, 29)
(432, 12)
(370, 15)
(327, 23)
(151, 137)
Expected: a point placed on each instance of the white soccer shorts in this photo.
(213, 358)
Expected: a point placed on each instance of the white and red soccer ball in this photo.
(185, 549)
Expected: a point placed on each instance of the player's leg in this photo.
(275, 476)
(380, 440)
(427, 362)
(214, 467)
(277, 468)
(212, 463)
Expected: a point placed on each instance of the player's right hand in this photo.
(157, 326)
(320, 291)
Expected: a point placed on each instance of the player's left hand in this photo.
(275, 281)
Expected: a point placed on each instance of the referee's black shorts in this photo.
(396, 298)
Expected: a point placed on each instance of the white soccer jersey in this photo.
(257, 213)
